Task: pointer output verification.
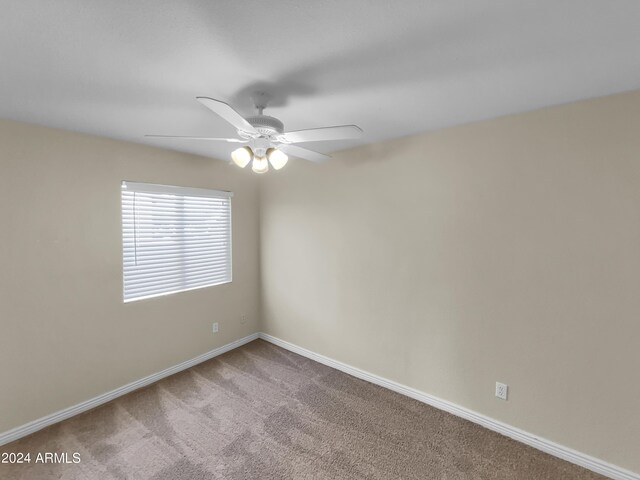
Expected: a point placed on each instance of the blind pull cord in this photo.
(135, 230)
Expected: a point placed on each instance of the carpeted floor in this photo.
(261, 412)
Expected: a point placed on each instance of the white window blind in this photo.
(174, 239)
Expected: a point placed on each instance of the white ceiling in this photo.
(123, 69)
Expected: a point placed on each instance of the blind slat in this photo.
(165, 272)
(144, 283)
(174, 257)
(176, 286)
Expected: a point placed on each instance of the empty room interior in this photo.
(352, 239)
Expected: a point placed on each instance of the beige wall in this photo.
(505, 250)
(65, 335)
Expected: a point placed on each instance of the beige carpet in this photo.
(261, 412)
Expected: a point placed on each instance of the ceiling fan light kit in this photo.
(260, 165)
(265, 138)
(243, 156)
(277, 158)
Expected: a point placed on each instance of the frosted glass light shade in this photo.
(260, 165)
(242, 156)
(277, 158)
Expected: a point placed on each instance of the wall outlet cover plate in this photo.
(502, 390)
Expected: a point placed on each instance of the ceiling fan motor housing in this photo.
(266, 125)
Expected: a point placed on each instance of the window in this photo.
(174, 239)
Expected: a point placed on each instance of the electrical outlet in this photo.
(215, 327)
(502, 390)
(243, 319)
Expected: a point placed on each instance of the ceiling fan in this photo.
(264, 137)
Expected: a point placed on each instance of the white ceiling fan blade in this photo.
(305, 153)
(230, 140)
(340, 132)
(225, 111)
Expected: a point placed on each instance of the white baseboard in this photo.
(547, 446)
(24, 430)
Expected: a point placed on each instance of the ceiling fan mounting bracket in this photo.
(260, 100)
